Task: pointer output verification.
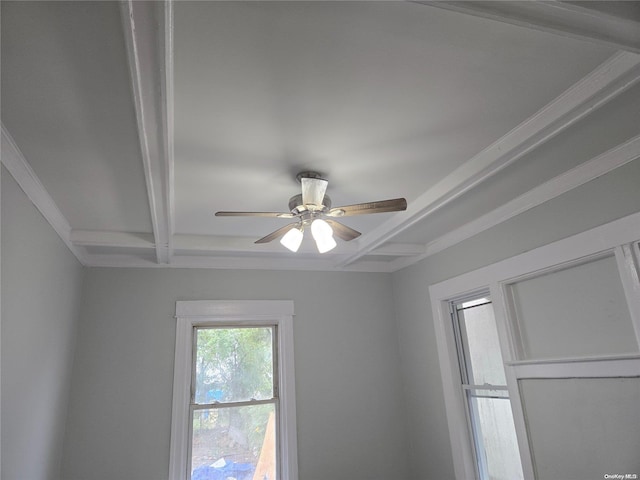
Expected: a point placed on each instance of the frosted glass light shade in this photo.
(323, 235)
(292, 239)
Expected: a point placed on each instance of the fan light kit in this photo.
(312, 209)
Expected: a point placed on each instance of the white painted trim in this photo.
(636, 252)
(592, 242)
(142, 53)
(235, 263)
(168, 117)
(510, 346)
(178, 460)
(608, 80)
(21, 171)
(399, 249)
(1, 307)
(259, 312)
(223, 244)
(459, 434)
(577, 176)
(630, 282)
(568, 360)
(629, 367)
(557, 17)
(94, 238)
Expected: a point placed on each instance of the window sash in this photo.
(274, 357)
(196, 407)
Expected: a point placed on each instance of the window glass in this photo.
(480, 342)
(576, 311)
(233, 364)
(497, 445)
(583, 427)
(234, 442)
(233, 424)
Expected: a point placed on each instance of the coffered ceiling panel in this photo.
(384, 98)
(66, 101)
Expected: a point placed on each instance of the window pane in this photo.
(496, 443)
(481, 345)
(577, 311)
(233, 364)
(594, 422)
(234, 442)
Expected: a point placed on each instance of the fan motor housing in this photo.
(295, 204)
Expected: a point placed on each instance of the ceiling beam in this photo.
(235, 263)
(17, 165)
(399, 250)
(611, 78)
(148, 37)
(570, 19)
(108, 239)
(598, 166)
(219, 244)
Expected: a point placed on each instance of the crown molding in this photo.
(236, 263)
(17, 165)
(608, 80)
(150, 57)
(211, 245)
(563, 183)
(558, 17)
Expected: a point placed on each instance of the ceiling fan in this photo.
(312, 209)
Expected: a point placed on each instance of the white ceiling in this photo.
(140, 120)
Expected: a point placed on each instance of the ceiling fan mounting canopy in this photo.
(313, 205)
(308, 174)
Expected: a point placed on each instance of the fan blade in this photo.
(393, 205)
(342, 231)
(255, 214)
(278, 233)
(313, 190)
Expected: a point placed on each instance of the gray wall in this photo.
(602, 200)
(348, 389)
(41, 287)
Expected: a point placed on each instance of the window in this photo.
(565, 319)
(234, 403)
(484, 388)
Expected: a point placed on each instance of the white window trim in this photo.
(619, 238)
(245, 312)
